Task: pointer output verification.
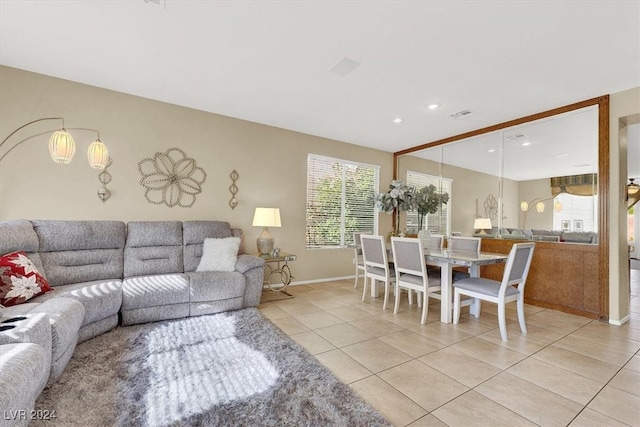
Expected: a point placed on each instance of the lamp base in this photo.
(265, 242)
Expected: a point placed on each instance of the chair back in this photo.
(357, 242)
(374, 252)
(468, 244)
(408, 256)
(434, 241)
(518, 264)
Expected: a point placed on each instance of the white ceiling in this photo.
(565, 144)
(269, 61)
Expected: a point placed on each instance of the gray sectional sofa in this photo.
(106, 273)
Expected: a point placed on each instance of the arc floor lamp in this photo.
(62, 147)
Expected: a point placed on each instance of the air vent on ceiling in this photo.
(162, 3)
(344, 67)
(460, 114)
(516, 137)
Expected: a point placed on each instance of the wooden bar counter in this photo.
(563, 276)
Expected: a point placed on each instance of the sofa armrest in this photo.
(247, 262)
(253, 269)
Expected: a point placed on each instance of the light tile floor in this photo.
(567, 370)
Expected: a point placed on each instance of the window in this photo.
(575, 213)
(340, 198)
(439, 222)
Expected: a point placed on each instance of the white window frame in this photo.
(442, 183)
(344, 240)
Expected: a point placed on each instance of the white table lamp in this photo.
(482, 224)
(266, 217)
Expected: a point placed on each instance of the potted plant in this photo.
(426, 201)
(398, 198)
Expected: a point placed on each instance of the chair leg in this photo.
(386, 295)
(425, 307)
(419, 298)
(523, 326)
(410, 296)
(396, 306)
(502, 321)
(364, 291)
(355, 285)
(456, 306)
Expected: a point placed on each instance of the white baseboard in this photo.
(621, 322)
(328, 279)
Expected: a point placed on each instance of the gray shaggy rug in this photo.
(228, 369)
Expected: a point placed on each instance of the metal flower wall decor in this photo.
(171, 178)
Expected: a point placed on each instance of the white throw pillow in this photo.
(219, 254)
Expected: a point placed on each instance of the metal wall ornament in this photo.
(491, 208)
(105, 178)
(171, 178)
(233, 189)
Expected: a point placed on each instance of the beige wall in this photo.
(623, 105)
(271, 163)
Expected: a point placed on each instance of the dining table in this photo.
(447, 259)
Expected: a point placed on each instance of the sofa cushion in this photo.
(19, 235)
(36, 329)
(151, 291)
(219, 254)
(81, 251)
(100, 298)
(153, 247)
(578, 236)
(216, 285)
(20, 280)
(65, 316)
(24, 369)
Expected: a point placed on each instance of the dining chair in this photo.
(511, 288)
(411, 273)
(468, 244)
(433, 241)
(357, 258)
(376, 263)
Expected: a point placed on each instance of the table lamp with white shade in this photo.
(482, 224)
(266, 217)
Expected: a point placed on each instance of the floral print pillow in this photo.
(20, 280)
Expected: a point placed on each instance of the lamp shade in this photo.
(482, 224)
(267, 217)
(62, 147)
(524, 206)
(540, 207)
(98, 154)
(557, 206)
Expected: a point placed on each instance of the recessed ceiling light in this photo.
(433, 106)
(397, 120)
(526, 144)
(492, 150)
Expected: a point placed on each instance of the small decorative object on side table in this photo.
(280, 272)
